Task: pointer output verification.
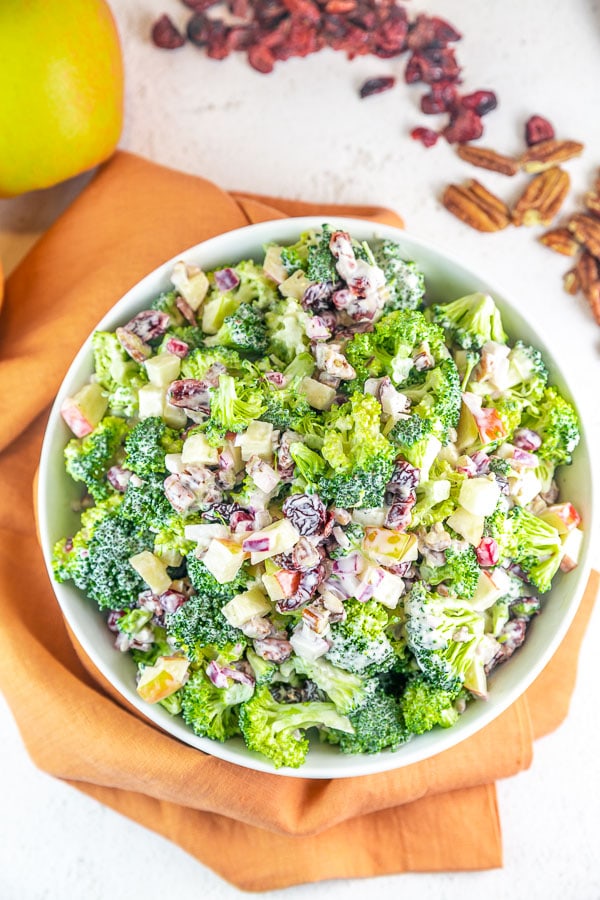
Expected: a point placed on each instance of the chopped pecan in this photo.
(549, 153)
(476, 206)
(571, 282)
(592, 202)
(485, 158)
(586, 230)
(560, 240)
(587, 271)
(542, 198)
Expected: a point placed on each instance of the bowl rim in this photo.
(425, 746)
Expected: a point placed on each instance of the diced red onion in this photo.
(226, 279)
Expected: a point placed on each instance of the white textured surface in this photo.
(303, 132)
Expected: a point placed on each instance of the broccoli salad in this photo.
(312, 506)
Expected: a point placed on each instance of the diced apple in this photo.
(204, 533)
(191, 283)
(256, 441)
(295, 286)
(478, 422)
(214, 312)
(571, 549)
(476, 681)
(282, 583)
(562, 516)
(524, 487)
(388, 547)
(224, 559)
(174, 416)
(487, 592)
(163, 369)
(153, 570)
(273, 267)
(151, 401)
(84, 411)
(174, 463)
(468, 525)
(479, 495)
(387, 588)
(236, 456)
(318, 395)
(170, 557)
(278, 537)
(373, 516)
(246, 606)
(436, 491)
(196, 451)
(162, 679)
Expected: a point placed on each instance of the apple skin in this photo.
(61, 91)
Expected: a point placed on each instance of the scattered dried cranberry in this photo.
(442, 97)
(427, 137)
(538, 129)
(306, 512)
(431, 31)
(465, 125)
(481, 102)
(377, 85)
(166, 35)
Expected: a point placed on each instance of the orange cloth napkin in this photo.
(258, 831)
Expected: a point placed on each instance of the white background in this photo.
(303, 132)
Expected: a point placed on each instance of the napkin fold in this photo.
(258, 831)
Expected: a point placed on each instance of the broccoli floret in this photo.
(321, 262)
(200, 621)
(378, 725)
(359, 643)
(470, 321)
(133, 621)
(110, 580)
(406, 284)
(192, 335)
(362, 488)
(425, 706)
(354, 534)
(207, 585)
(119, 375)
(444, 636)
(234, 403)
(243, 329)
(69, 555)
(263, 669)
(343, 688)
(146, 504)
(437, 398)
(286, 326)
(460, 572)
(88, 459)
(537, 547)
(499, 466)
(286, 407)
(556, 422)
(527, 373)
(437, 498)
(211, 711)
(148, 443)
(277, 730)
(170, 536)
(253, 286)
(353, 436)
(197, 363)
(309, 463)
(510, 410)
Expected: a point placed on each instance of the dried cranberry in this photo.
(481, 102)
(189, 393)
(465, 125)
(538, 129)
(220, 512)
(404, 480)
(197, 30)
(427, 137)
(487, 552)
(377, 85)
(431, 31)
(148, 325)
(431, 66)
(306, 512)
(441, 98)
(177, 347)
(199, 5)
(399, 514)
(527, 439)
(261, 59)
(307, 588)
(166, 35)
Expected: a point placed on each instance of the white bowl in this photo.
(446, 280)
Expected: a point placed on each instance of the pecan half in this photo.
(587, 271)
(592, 202)
(571, 282)
(549, 153)
(586, 230)
(488, 159)
(560, 240)
(476, 206)
(542, 198)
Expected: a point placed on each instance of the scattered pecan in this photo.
(592, 202)
(586, 230)
(545, 154)
(485, 158)
(587, 272)
(560, 240)
(542, 198)
(476, 206)
(571, 282)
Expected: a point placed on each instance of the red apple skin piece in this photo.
(567, 514)
(75, 419)
(288, 581)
